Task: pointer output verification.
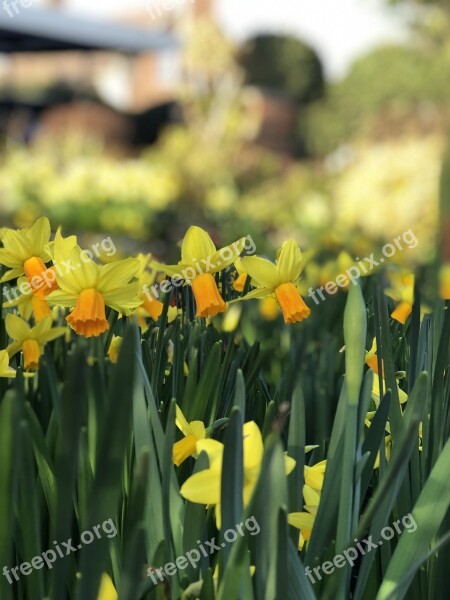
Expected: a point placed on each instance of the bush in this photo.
(386, 90)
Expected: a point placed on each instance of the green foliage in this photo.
(384, 91)
(86, 440)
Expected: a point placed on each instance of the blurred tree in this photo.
(283, 63)
(386, 91)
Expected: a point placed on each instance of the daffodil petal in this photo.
(196, 245)
(263, 272)
(181, 421)
(198, 429)
(253, 445)
(16, 328)
(203, 487)
(301, 520)
(289, 262)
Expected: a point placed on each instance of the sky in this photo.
(339, 30)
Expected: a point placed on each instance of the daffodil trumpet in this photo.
(200, 260)
(278, 280)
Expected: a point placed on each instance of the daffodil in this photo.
(278, 280)
(31, 340)
(30, 304)
(114, 348)
(444, 282)
(205, 487)
(269, 308)
(402, 292)
(402, 396)
(200, 259)
(24, 251)
(5, 369)
(150, 305)
(89, 288)
(315, 475)
(305, 520)
(372, 357)
(107, 590)
(231, 318)
(193, 432)
(239, 282)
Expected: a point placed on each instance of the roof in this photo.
(36, 30)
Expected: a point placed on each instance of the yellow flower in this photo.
(239, 282)
(204, 487)
(150, 305)
(402, 292)
(107, 590)
(31, 340)
(372, 358)
(268, 308)
(24, 250)
(278, 280)
(444, 282)
(193, 432)
(231, 318)
(403, 396)
(305, 520)
(315, 475)
(89, 288)
(114, 348)
(199, 261)
(30, 304)
(5, 369)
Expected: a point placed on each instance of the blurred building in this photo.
(123, 95)
(128, 82)
(93, 89)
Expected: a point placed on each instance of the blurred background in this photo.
(324, 122)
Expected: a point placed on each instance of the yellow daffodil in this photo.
(278, 280)
(24, 251)
(114, 348)
(372, 357)
(107, 590)
(402, 292)
(231, 318)
(193, 432)
(199, 261)
(305, 520)
(403, 396)
(31, 340)
(239, 282)
(150, 305)
(315, 475)
(444, 282)
(5, 369)
(204, 487)
(30, 304)
(89, 288)
(269, 308)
